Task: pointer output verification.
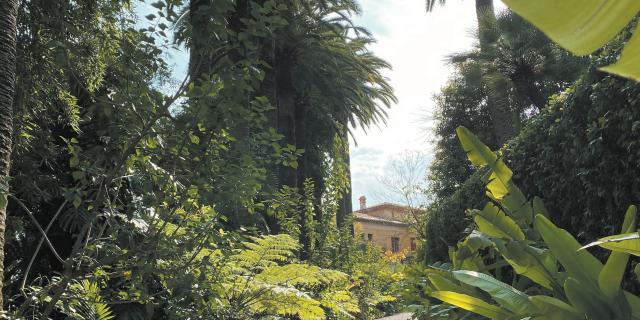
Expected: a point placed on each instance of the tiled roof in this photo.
(365, 217)
(384, 204)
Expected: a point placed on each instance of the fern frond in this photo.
(88, 303)
(265, 251)
(340, 302)
(288, 301)
(301, 275)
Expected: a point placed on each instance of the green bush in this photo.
(582, 154)
(446, 222)
(551, 275)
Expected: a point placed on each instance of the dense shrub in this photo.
(446, 221)
(550, 275)
(582, 154)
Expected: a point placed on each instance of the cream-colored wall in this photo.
(382, 234)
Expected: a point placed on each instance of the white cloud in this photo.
(416, 43)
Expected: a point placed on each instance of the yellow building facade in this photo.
(386, 225)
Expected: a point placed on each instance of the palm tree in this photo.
(502, 118)
(321, 79)
(326, 80)
(8, 29)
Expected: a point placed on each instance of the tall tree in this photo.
(502, 117)
(325, 80)
(8, 30)
(519, 72)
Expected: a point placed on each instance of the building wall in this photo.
(382, 234)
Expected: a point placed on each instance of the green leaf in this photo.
(158, 5)
(77, 175)
(443, 284)
(480, 155)
(554, 309)
(611, 275)
(582, 26)
(74, 161)
(626, 242)
(533, 263)
(472, 304)
(627, 65)
(194, 138)
(586, 300)
(539, 208)
(504, 294)
(634, 303)
(493, 222)
(579, 264)
(77, 201)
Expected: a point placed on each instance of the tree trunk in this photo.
(502, 117)
(8, 31)
(486, 18)
(286, 105)
(302, 174)
(199, 59)
(345, 206)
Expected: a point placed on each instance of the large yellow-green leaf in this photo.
(533, 263)
(582, 26)
(480, 155)
(498, 179)
(587, 300)
(441, 283)
(554, 309)
(507, 296)
(580, 264)
(473, 242)
(611, 275)
(538, 207)
(629, 63)
(626, 242)
(493, 222)
(472, 304)
(634, 304)
(515, 204)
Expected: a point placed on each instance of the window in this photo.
(395, 244)
(413, 244)
(369, 237)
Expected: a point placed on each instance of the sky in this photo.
(416, 43)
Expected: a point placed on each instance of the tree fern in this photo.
(263, 252)
(264, 278)
(86, 303)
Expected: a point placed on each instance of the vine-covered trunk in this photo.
(302, 173)
(345, 206)
(286, 105)
(8, 29)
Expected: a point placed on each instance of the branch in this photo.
(35, 253)
(35, 222)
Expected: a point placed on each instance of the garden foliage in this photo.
(550, 275)
(136, 195)
(517, 74)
